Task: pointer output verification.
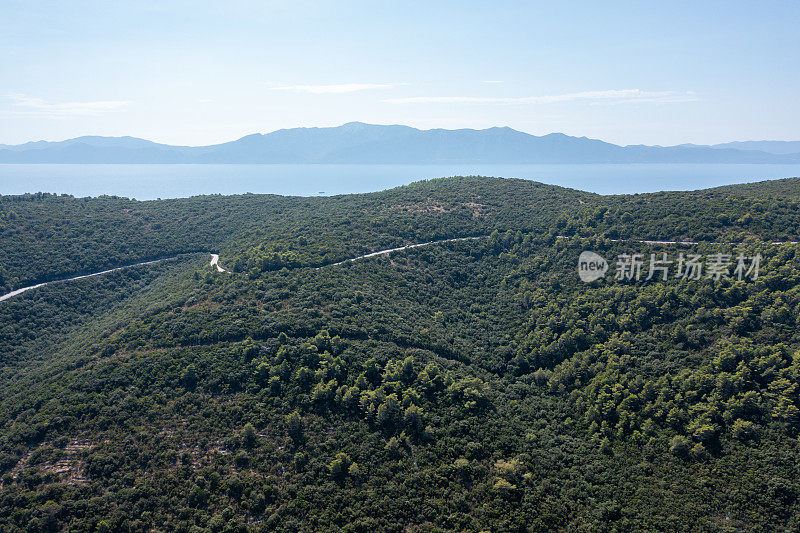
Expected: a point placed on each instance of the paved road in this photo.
(406, 247)
(215, 263)
(214, 259)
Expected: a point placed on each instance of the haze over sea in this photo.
(147, 182)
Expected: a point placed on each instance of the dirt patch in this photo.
(422, 207)
(205, 304)
(67, 464)
(478, 210)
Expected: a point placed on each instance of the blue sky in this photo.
(190, 72)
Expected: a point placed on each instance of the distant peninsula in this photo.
(360, 143)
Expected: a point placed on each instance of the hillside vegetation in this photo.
(465, 386)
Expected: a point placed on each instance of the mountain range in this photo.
(360, 143)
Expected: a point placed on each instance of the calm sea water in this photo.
(146, 182)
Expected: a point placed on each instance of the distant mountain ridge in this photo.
(360, 143)
(770, 147)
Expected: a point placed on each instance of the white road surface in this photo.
(214, 260)
(215, 263)
(406, 247)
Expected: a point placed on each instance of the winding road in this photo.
(406, 247)
(215, 259)
(215, 263)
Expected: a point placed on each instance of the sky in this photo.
(195, 73)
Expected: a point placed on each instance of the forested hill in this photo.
(465, 386)
(46, 236)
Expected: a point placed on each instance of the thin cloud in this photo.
(27, 105)
(492, 81)
(335, 89)
(621, 96)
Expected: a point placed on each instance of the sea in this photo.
(149, 182)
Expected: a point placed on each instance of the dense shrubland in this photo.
(473, 385)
